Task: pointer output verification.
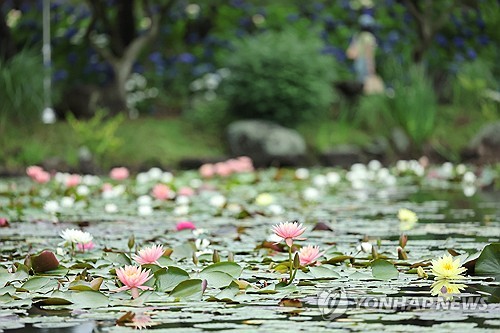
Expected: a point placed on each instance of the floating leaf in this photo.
(228, 267)
(168, 278)
(384, 270)
(216, 279)
(189, 289)
(45, 261)
(488, 262)
(322, 272)
(89, 299)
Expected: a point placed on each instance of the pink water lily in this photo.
(133, 278)
(309, 254)
(149, 255)
(185, 225)
(289, 231)
(120, 173)
(161, 192)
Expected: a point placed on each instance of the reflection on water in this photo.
(88, 327)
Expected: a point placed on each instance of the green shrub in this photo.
(97, 134)
(21, 84)
(471, 88)
(279, 76)
(414, 105)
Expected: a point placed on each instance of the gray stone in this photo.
(266, 142)
(485, 146)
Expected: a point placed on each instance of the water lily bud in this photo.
(366, 247)
(403, 239)
(215, 257)
(374, 252)
(131, 242)
(204, 285)
(421, 273)
(230, 257)
(296, 261)
(195, 259)
(402, 254)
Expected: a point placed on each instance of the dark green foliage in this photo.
(279, 76)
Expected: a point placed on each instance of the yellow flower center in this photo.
(448, 266)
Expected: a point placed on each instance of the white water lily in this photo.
(142, 178)
(469, 177)
(144, 200)
(366, 247)
(374, 165)
(195, 183)
(202, 246)
(75, 236)
(311, 194)
(264, 199)
(461, 169)
(110, 208)
(144, 210)
(181, 210)
(67, 202)
(83, 190)
(275, 209)
(469, 190)
(320, 181)
(51, 206)
(218, 201)
(182, 200)
(155, 173)
(167, 177)
(301, 173)
(333, 178)
(234, 208)
(91, 180)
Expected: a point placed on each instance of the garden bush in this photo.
(21, 84)
(279, 76)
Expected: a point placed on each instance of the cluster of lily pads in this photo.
(161, 241)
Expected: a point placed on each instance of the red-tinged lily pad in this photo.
(44, 261)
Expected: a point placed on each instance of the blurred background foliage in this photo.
(209, 62)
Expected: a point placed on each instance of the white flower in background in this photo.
(469, 177)
(264, 199)
(402, 166)
(461, 169)
(59, 251)
(333, 178)
(202, 246)
(416, 167)
(275, 209)
(110, 208)
(144, 200)
(75, 236)
(446, 170)
(192, 10)
(155, 173)
(374, 165)
(234, 208)
(366, 247)
(144, 210)
(91, 180)
(274, 238)
(181, 210)
(224, 72)
(142, 178)
(182, 200)
(320, 181)
(218, 201)
(45, 192)
(310, 194)
(83, 190)
(115, 192)
(67, 202)
(301, 173)
(198, 231)
(195, 183)
(61, 177)
(167, 177)
(51, 206)
(469, 190)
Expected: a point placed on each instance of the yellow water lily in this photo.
(446, 288)
(406, 215)
(447, 268)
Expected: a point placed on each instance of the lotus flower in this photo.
(309, 254)
(133, 278)
(161, 192)
(289, 231)
(149, 255)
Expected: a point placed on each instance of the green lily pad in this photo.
(384, 270)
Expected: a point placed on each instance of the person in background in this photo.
(362, 51)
